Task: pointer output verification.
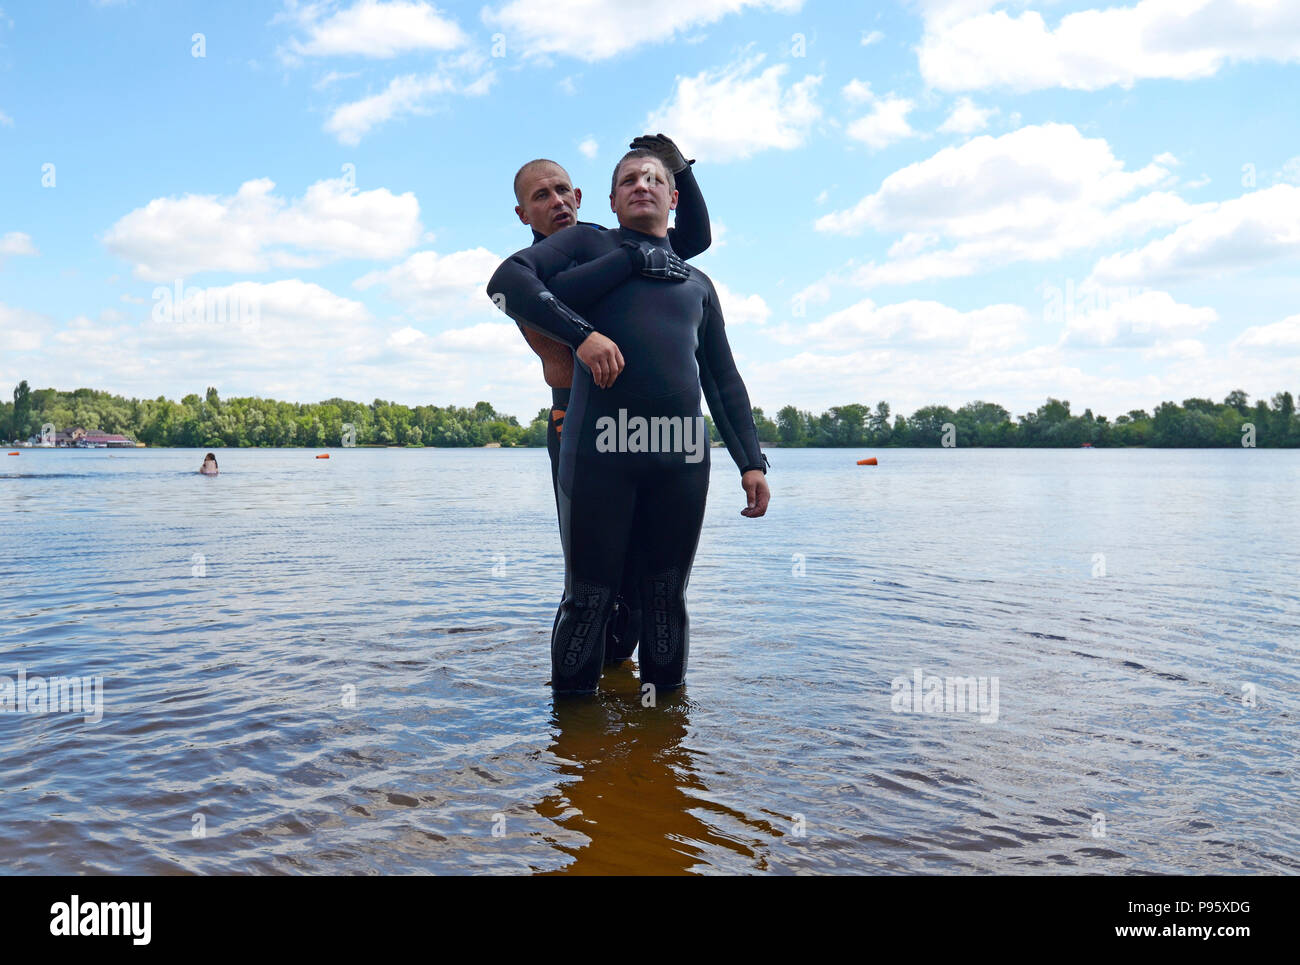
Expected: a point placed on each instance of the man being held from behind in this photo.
(548, 202)
(647, 351)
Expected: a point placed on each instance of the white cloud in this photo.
(873, 37)
(1032, 195)
(597, 29)
(1284, 335)
(353, 354)
(912, 323)
(333, 77)
(740, 309)
(374, 29)
(431, 283)
(403, 95)
(255, 230)
(966, 118)
(22, 330)
(967, 47)
(886, 123)
(1149, 318)
(1223, 236)
(16, 243)
(589, 147)
(6, 120)
(858, 91)
(732, 113)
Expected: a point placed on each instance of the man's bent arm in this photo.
(725, 391)
(517, 288)
(691, 235)
(581, 286)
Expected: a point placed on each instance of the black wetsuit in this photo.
(674, 345)
(580, 287)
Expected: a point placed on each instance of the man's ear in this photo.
(611, 203)
(577, 197)
(522, 216)
(672, 204)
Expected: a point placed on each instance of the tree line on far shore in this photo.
(212, 422)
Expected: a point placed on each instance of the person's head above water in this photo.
(210, 458)
(642, 192)
(548, 201)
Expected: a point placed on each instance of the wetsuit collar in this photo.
(634, 235)
(538, 236)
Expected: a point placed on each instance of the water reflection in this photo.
(630, 785)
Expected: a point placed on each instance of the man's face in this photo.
(641, 198)
(550, 202)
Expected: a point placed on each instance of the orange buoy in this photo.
(324, 455)
(13, 453)
(868, 462)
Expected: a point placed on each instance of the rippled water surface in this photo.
(340, 666)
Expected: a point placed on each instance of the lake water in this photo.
(340, 666)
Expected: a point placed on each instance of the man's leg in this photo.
(622, 628)
(670, 514)
(596, 516)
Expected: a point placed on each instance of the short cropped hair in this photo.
(635, 153)
(523, 171)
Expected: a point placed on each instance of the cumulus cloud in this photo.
(740, 309)
(588, 147)
(966, 46)
(1035, 194)
(22, 330)
(1280, 336)
(1131, 320)
(886, 123)
(432, 283)
(16, 243)
(1224, 236)
(734, 112)
(251, 338)
(404, 96)
(597, 29)
(374, 29)
(966, 118)
(254, 230)
(912, 323)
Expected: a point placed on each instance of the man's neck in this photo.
(654, 231)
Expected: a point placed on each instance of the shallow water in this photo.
(1138, 610)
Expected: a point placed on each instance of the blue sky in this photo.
(933, 201)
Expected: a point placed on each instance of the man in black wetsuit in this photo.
(647, 350)
(547, 202)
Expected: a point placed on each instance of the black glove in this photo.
(663, 146)
(655, 262)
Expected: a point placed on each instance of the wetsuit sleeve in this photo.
(518, 289)
(581, 286)
(725, 391)
(690, 235)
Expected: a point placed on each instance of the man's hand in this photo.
(754, 483)
(654, 262)
(603, 358)
(667, 151)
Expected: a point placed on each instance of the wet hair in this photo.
(523, 172)
(212, 457)
(640, 152)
